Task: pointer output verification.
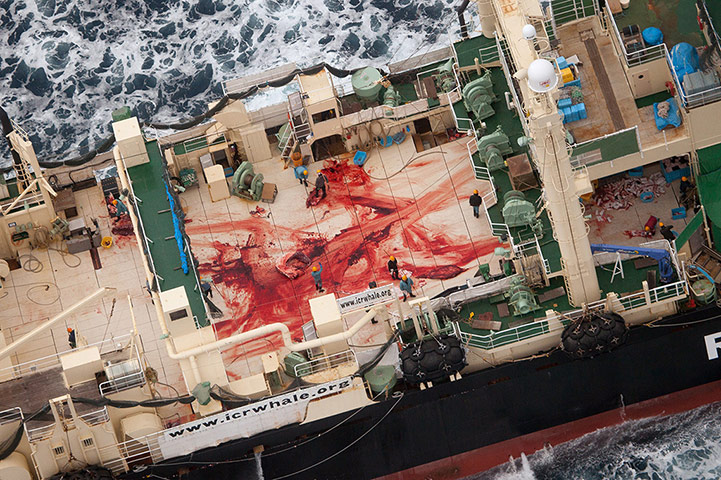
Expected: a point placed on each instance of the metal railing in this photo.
(199, 143)
(673, 291)
(11, 415)
(45, 363)
(502, 47)
(565, 11)
(96, 417)
(136, 207)
(120, 384)
(637, 57)
(577, 162)
(326, 362)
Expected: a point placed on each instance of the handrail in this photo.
(326, 362)
(638, 57)
(522, 332)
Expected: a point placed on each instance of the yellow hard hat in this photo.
(305, 172)
(475, 191)
(684, 179)
(315, 269)
(115, 202)
(660, 224)
(317, 171)
(648, 228)
(392, 257)
(405, 278)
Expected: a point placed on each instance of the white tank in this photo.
(542, 76)
(15, 467)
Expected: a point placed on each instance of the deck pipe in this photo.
(461, 19)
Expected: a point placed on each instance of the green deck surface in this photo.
(649, 100)
(467, 50)
(149, 187)
(714, 10)
(614, 146)
(675, 18)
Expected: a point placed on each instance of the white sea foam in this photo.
(168, 58)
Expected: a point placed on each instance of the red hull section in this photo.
(481, 459)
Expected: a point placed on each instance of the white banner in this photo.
(246, 421)
(366, 299)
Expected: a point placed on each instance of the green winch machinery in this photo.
(391, 97)
(478, 96)
(246, 183)
(520, 297)
(519, 212)
(492, 147)
(445, 80)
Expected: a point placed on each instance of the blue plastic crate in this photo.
(647, 197)
(562, 63)
(581, 110)
(636, 172)
(678, 213)
(565, 102)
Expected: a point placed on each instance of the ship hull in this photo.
(458, 428)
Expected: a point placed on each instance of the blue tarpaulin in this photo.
(684, 58)
(178, 233)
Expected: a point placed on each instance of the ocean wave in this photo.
(66, 64)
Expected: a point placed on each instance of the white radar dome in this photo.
(542, 76)
(529, 32)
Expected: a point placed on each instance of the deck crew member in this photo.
(393, 267)
(301, 174)
(406, 286)
(321, 183)
(685, 186)
(475, 202)
(315, 273)
(71, 338)
(667, 231)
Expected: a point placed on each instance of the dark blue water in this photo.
(66, 64)
(685, 446)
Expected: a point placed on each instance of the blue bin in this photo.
(360, 158)
(646, 197)
(565, 102)
(678, 213)
(636, 172)
(581, 111)
(562, 63)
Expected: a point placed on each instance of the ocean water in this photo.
(686, 446)
(66, 64)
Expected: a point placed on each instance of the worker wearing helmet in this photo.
(667, 231)
(475, 202)
(321, 183)
(406, 286)
(393, 267)
(301, 173)
(71, 338)
(315, 273)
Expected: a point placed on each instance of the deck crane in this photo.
(665, 269)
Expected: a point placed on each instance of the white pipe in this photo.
(76, 306)
(267, 330)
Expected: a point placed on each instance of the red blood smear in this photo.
(257, 294)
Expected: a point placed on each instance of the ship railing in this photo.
(51, 361)
(120, 384)
(140, 451)
(326, 362)
(565, 11)
(595, 155)
(556, 323)
(11, 415)
(508, 71)
(637, 57)
(96, 417)
(30, 200)
(146, 241)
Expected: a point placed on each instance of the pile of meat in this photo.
(619, 195)
(292, 265)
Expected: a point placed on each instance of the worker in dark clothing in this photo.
(685, 186)
(71, 338)
(475, 202)
(315, 273)
(667, 231)
(393, 267)
(321, 183)
(205, 287)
